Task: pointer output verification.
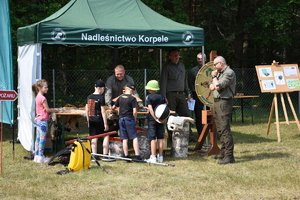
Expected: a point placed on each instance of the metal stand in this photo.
(134, 160)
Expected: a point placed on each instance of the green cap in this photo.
(152, 85)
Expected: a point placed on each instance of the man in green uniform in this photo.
(223, 90)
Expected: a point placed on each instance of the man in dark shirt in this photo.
(115, 85)
(173, 86)
(191, 82)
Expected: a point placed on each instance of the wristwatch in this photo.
(214, 77)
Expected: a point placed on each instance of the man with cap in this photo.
(96, 116)
(127, 119)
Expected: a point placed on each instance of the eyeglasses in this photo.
(216, 63)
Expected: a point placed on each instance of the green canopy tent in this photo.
(92, 22)
(110, 22)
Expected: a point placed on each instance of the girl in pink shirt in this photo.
(41, 120)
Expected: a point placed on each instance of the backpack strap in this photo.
(61, 152)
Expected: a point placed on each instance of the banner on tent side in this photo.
(6, 75)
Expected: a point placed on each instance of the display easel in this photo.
(275, 105)
(279, 79)
(207, 115)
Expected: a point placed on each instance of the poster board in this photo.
(277, 78)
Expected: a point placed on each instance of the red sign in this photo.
(8, 95)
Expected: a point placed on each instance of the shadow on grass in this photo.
(261, 156)
(249, 138)
(9, 131)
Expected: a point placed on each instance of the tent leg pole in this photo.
(160, 60)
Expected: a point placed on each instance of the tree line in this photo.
(246, 33)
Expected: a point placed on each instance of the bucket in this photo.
(180, 141)
(115, 147)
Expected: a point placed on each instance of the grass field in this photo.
(264, 169)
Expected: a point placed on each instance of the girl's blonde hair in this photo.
(37, 85)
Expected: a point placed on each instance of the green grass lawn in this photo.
(264, 169)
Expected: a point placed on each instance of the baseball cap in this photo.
(130, 85)
(99, 83)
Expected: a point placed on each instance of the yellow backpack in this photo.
(80, 158)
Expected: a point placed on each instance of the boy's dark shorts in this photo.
(127, 128)
(96, 127)
(155, 130)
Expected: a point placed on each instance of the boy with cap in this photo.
(155, 125)
(96, 117)
(127, 119)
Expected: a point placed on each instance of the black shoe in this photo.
(30, 157)
(219, 156)
(95, 158)
(137, 158)
(226, 160)
(127, 157)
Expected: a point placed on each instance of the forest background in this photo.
(246, 33)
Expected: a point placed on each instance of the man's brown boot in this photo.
(226, 160)
(219, 156)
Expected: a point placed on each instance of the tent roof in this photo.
(110, 22)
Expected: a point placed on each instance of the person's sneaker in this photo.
(152, 159)
(160, 158)
(95, 158)
(37, 159)
(41, 159)
(226, 160)
(138, 157)
(127, 157)
(45, 159)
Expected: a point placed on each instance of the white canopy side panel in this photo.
(29, 71)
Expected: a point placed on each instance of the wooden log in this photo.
(180, 141)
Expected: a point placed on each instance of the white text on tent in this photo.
(123, 38)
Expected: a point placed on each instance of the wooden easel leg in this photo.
(277, 118)
(293, 110)
(284, 109)
(214, 149)
(202, 137)
(271, 115)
